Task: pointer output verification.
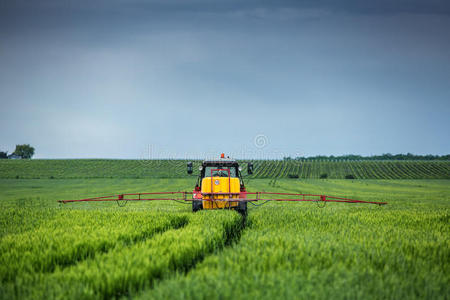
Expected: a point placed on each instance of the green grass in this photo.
(294, 253)
(127, 267)
(76, 235)
(161, 250)
(275, 169)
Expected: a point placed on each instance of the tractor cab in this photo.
(219, 182)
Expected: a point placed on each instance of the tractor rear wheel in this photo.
(197, 205)
(242, 208)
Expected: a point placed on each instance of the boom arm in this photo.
(244, 197)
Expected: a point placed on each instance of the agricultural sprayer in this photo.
(220, 185)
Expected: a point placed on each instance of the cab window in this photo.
(220, 173)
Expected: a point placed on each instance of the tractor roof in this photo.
(220, 161)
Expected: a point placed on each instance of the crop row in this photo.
(263, 169)
(77, 235)
(122, 268)
(353, 169)
(293, 252)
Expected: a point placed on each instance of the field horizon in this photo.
(274, 169)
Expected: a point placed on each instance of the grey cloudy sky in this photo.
(133, 79)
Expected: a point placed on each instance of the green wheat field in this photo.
(161, 250)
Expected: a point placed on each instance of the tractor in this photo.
(220, 179)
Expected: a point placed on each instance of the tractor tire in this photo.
(197, 205)
(242, 208)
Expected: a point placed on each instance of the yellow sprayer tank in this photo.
(230, 186)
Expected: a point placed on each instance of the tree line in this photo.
(24, 151)
(386, 156)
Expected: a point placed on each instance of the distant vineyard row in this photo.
(98, 168)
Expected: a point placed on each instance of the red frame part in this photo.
(197, 195)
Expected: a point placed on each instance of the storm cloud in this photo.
(113, 79)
